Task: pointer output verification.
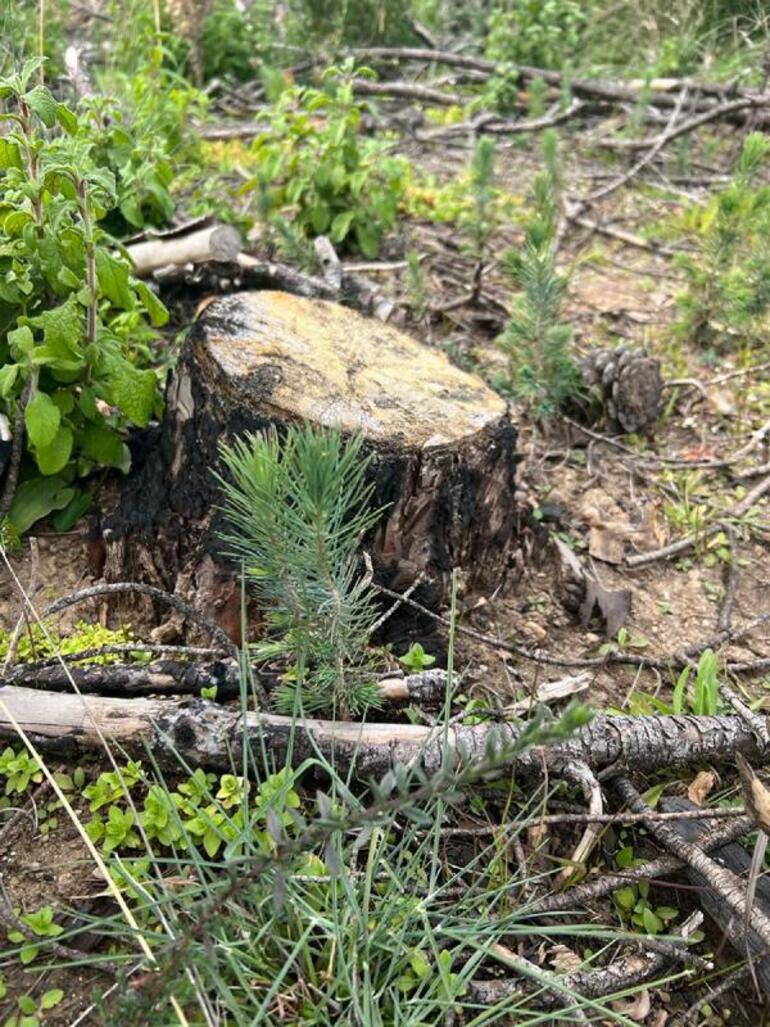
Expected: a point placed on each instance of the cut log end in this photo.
(323, 363)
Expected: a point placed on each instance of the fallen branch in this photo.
(204, 733)
(632, 970)
(215, 242)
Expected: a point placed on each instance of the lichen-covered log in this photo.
(443, 445)
(206, 734)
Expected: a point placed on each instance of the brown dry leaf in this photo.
(659, 1019)
(701, 786)
(613, 605)
(607, 545)
(722, 401)
(637, 1009)
(564, 960)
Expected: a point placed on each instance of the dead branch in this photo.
(205, 733)
(656, 869)
(214, 242)
(407, 91)
(646, 961)
(728, 886)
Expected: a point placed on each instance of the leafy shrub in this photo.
(316, 165)
(544, 33)
(76, 325)
(728, 275)
(34, 644)
(299, 507)
(542, 372)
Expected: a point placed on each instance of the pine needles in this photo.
(542, 372)
(728, 274)
(299, 507)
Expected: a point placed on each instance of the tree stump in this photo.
(443, 446)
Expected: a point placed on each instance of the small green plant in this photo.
(416, 285)
(728, 275)
(37, 643)
(76, 326)
(20, 770)
(315, 165)
(704, 700)
(416, 659)
(42, 925)
(542, 372)
(32, 1012)
(478, 221)
(633, 900)
(624, 641)
(300, 507)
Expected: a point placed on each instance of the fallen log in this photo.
(203, 733)
(442, 446)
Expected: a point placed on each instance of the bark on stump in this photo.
(443, 444)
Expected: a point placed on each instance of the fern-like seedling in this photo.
(298, 506)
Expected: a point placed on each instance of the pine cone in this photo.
(627, 386)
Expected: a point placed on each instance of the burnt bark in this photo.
(443, 447)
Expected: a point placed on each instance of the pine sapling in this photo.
(542, 372)
(298, 507)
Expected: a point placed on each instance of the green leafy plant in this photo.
(728, 275)
(299, 507)
(542, 372)
(76, 325)
(20, 770)
(704, 699)
(545, 34)
(416, 659)
(315, 164)
(42, 925)
(633, 900)
(38, 643)
(31, 1011)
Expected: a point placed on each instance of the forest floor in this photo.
(606, 498)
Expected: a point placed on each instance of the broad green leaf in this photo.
(68, 278)
(8, 376)
(625, 898)
(104, 445)
(51, 998)
(21, 341)
(341, 225)
(368, 240)
(67, 518)
(652, 924)
(43, 104)
(54, 458)
(37, 498)
(319, 217)
(67, 119)
(131, 211)
(113, 276)
(42, 417)
(134, 392)
(62, 328)
(10, 157)
(152, 304)
(16, 222)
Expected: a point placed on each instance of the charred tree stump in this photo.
(443, 446)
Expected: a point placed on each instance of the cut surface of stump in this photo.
(442, 441)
